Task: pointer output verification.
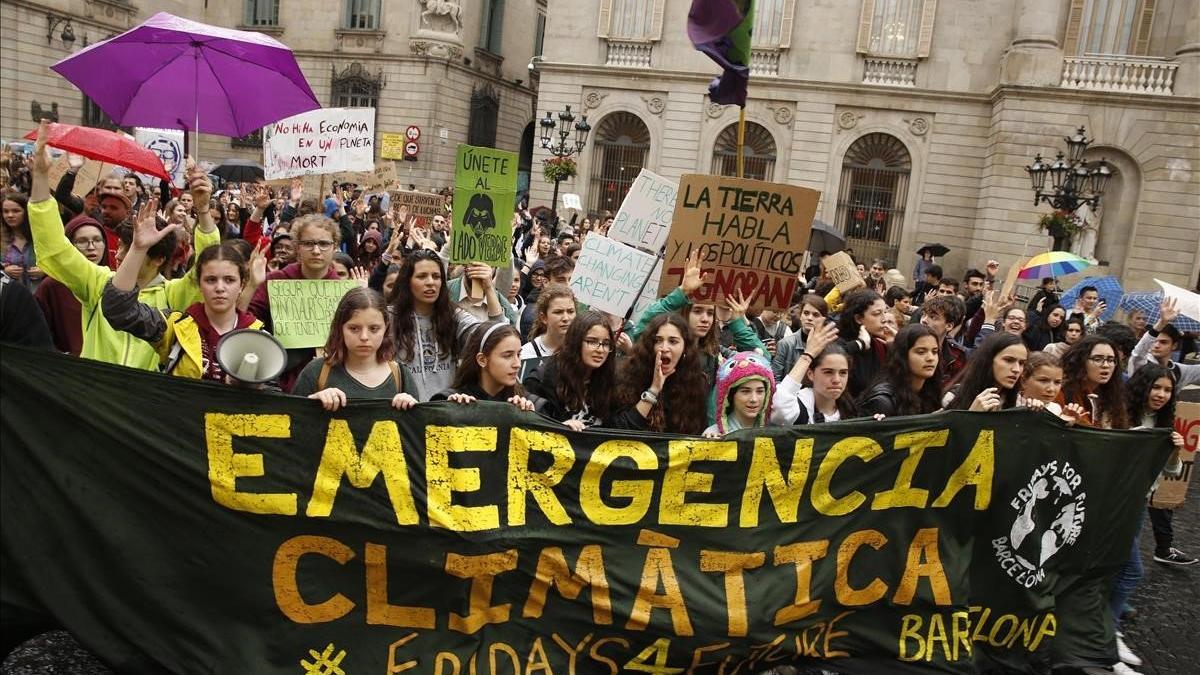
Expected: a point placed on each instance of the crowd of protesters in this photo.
(153, 280)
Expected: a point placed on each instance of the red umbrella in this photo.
(103, 145)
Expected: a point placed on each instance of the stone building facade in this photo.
(915, 118)
(457, 69)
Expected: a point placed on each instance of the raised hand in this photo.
(992, 306)
(75, 162)
(200, 187)
(146, 232)
(1169, 311)
(297, 191)
(360, 275)
(41, 154)
(820, 338)
(693, 278)
(739, 305)
(260, 197)
(257, 266)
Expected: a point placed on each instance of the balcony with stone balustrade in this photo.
(1121, 74)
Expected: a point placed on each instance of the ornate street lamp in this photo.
(554, 135)
(1073, 181)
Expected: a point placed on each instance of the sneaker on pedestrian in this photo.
(1122, 669)
(1174, 556)
(1125, 653)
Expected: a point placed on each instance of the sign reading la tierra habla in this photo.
(751, 234)
(213, 529)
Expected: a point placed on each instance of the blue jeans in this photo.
(1128, 577)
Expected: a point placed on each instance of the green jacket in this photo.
(59, 258)
(744, 337)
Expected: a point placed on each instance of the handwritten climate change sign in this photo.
(485, 195)
(751, 234)
(476, 539)
(302, 309)
(320, 141)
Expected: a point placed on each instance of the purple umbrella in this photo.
(170, 73)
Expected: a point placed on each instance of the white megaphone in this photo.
(251, 356)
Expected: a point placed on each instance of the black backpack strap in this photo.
(802, 416)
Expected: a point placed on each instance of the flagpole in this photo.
(741, 142)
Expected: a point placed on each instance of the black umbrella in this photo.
(825, 238)
(238, 171)
(938, 250)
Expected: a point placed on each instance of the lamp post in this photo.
(1073, 181)
(554, 135)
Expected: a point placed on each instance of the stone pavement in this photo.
(1166, 630)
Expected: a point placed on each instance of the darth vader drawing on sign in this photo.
(480, 215)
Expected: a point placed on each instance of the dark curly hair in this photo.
(573, 374)
(404, 321)
(1139, 386)
(979, 373)
(683, 402)
(1075, 387)
(856, 304)
(895, 370)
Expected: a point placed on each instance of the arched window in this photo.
(872, 195)
(525, 161)
(758, 151)
(354, 87)
(485, 112)
(618, 154)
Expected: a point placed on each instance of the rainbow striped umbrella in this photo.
(1053, 264)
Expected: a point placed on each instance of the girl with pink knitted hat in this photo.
(745, 386)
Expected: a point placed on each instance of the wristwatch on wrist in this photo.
(650, 397)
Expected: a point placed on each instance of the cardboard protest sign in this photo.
(609, 275)
(58, 168)
(843, 272)
(391, 145)
(320, 141)
(423, 205)
(302, 309)
(385, 176)
(751, 234)
(645, 216)
(1172, 491)
(361, 538)
(168, 145)
(1010, 281)
(485, 194)
(313, 186)
(89, 175)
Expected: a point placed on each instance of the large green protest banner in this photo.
(177, 526)
(485, 194)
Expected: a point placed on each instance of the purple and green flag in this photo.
(721, 29)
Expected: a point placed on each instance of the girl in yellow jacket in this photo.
(186, 341)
